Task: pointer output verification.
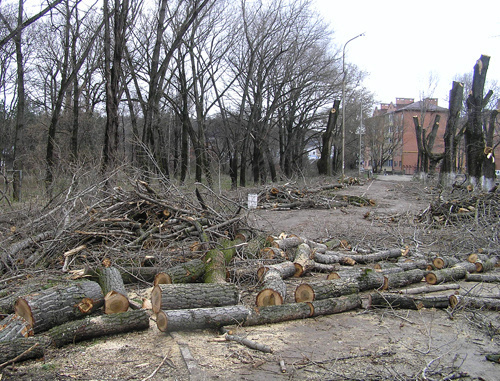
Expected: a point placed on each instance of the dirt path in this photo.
(380, 344)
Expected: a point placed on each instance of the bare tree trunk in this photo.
(449, 164)
(325, 163)
(488, 179)
(474, 138)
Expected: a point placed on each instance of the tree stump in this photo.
(57, 305)
(194, 295)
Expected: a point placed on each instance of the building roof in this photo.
(417, 106)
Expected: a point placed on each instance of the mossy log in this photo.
(217, 259)
(194, 295)
(57, 305)
(98, 326)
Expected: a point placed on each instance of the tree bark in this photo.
(217, 259)
(330, 257)
(443, 262)
(488, 278)
(431, 288)
(285, 269)
(195, 295)
(22, 349)
(325, 162)
(407, 302)
(57, 305)
(487, 265)
(14, 327)
(475, 302)
(404, 278)
(200, 318)
(187, 272)
(324, 289)
(445, 275)
(91, 327)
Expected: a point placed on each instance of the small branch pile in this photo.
(288, 197)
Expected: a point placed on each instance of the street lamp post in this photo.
(343, 104)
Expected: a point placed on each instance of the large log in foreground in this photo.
(57, 305)
(92, 327)
(324, 289)
(195, 295)
(22, 349)
(407, 301)
(200, 318)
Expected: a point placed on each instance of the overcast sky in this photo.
(405, 41)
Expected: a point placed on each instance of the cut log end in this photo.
(438, 263)
(299, 270)
(161, 321)
(156, 299)
(114, 302)
(268, 297)
(333, 276)
(304, 293)
(431, 278)
(86, 305)
(453, 301)
(261, 272)
(23, 310)
(162, 278)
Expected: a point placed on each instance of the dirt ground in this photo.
(366, 344)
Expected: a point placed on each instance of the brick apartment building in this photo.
(400, 115)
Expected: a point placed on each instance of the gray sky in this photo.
(406, 41)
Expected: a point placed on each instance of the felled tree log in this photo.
(272, 253)
(475, 302)
(474, 257)
(324, 289)
(217, 259)
(14, 327)
(324, 268)
(488, 278)
(330, 257)
(296, 311)
(404, 278)
(200, 318)
(388, 268)
(115, 295)
(57, 305)
(468, 266)
(407, 301)
(487, 265)
(377, 257)
(303, 262)
(273, 289)
(187, 272)
(444, 262)
(430, 288)
(445, 275)
(249, 343)
(91, 327)
(285, 269)
(287, 243)
(22, 349)
(194, 295)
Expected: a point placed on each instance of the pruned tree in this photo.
(325, 161)
(475, 139)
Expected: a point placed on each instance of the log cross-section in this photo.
(324, 289)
